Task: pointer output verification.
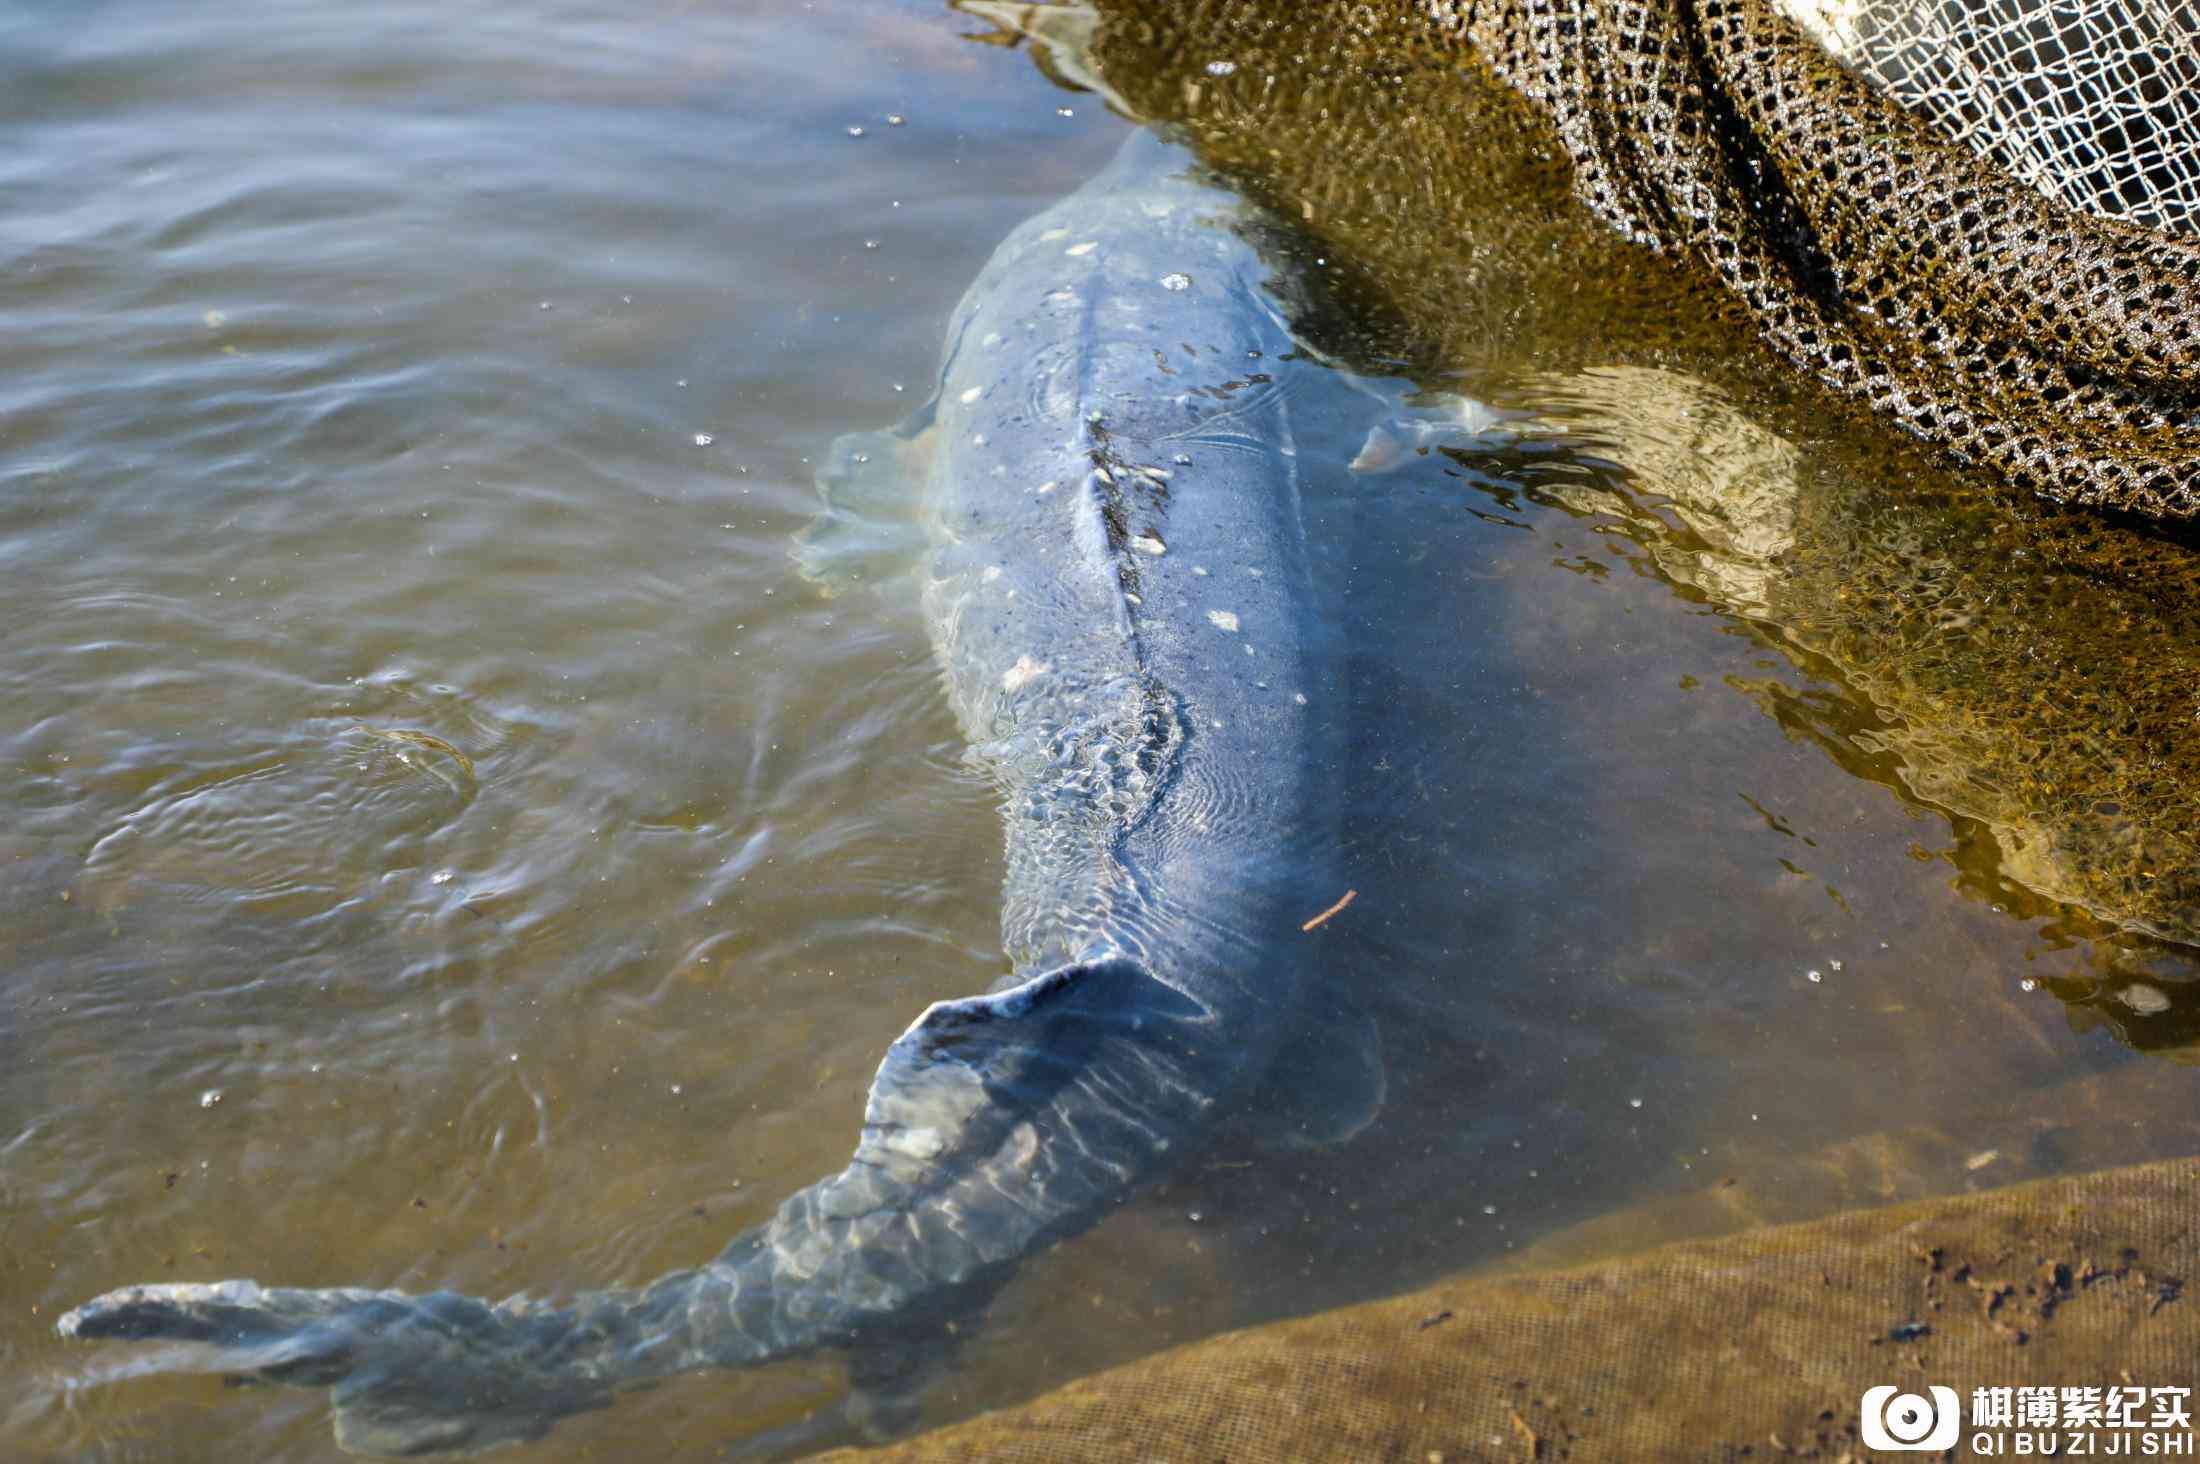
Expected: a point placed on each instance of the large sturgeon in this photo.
(1117, 586)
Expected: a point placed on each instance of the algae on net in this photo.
(2028, 670)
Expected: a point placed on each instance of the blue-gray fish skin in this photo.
(1117, 586)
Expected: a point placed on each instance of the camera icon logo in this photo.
(1898, 1421)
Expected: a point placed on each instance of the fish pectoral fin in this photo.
(867, 532)
(1425, 422)
(1381, 452)
(1326, 1086)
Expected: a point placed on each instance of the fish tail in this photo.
(996, 1124)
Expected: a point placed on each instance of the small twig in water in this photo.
(1527, 1436)
(1333, 909)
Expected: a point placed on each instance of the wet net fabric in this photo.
(2094, 102)
(1759, 1345)
(1890, 252)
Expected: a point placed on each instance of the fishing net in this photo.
(1905, 232)
(2094, 103)
(1759, 1345)
(1889, 251)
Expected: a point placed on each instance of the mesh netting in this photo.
(2056, 347)
(2096, 103)
(1973, 216)
(1759, 1345)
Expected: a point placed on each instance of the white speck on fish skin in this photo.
(1048, 486)
(1147, 545)
(2144, 999)
(1025, 668)
(1256, 573)
(1076, 250)
(1053, 234)
(977, 439)
(917, 1143)
(973, 394)
(1069, 296)
(1216, 725)
(992, 338)
(992, 573)
(1176, 282)
(1223, 620)
(1299, 697)
(1200, 570)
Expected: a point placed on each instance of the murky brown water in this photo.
(444, 843)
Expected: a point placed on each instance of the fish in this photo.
(1116, 579)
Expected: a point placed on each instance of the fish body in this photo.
(1116, 582)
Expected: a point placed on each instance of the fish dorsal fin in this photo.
(1430, 422)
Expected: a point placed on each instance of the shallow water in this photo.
(447, 844)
